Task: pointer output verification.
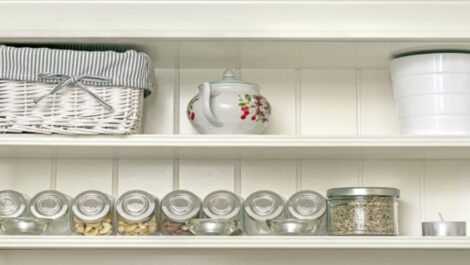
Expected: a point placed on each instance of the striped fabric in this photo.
(124, 69)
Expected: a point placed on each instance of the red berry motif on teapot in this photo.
(254, 108)
(190, 111)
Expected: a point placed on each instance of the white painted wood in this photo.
(406, 176)
(158, 113)
(377, 113)
(446, 190)
(278, 86)
(275, 175)
(25, 175)
(154, 176)
(77, 175)
(329, 102)
(205, 176)
(211, 19)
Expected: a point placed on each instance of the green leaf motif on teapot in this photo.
(254, 108)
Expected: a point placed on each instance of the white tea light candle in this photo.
(444, 228)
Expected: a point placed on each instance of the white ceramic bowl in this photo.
(432, 93)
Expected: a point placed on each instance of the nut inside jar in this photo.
(100, 228)
(136, 213)
(92, 214)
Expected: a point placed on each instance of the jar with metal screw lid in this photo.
(136, 213)
(371, 211)
(53, 207)
(92, 214)
(178, 207)
(306, 215)
(261, 208)
(221, 215)
(13, 204)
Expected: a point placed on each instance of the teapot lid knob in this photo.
(228, 74)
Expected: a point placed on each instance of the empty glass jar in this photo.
(367, 211)
(306, 215)
(136, 213)
(92, 214)
(261, 208)
(178, 207)
(52, 207)
(221, 215)
(12, 205)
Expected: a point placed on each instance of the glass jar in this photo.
(367, 211)
(306, 215)
(54, 208)
(178, 207)
(261, 208)
(92, 214)
(221, 215)
(12, 205)
(136, 213)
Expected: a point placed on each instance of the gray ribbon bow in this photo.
(67, 80)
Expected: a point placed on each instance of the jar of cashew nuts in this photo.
(136, 213)
(92, 214)
(179, 207)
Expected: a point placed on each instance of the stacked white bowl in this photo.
(432, 92)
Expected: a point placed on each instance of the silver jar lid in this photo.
(12, 204)
(264, 205)
(307, 205)
(136, 205)
(181, 205)
(222, 204)
(49, 204)
(91, 205)
(364, 191)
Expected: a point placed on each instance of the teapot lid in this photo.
(230, 78)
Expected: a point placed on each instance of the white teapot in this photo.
(229, 106)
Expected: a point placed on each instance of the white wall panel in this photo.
(77, 175)
(406, 176)
(446, 188)
(25, 175)
(377, 113)
(329, 102)
(278, 86)
(276, 175)
(205, 176)
(158, 113)
(154, 176)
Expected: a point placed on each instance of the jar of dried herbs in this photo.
(368, 211)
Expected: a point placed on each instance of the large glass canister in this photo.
(178, 207)
(136, 213)
(261, 208)
(306, 215)
(371, 211)
(221, 215)
(13, 204)
(92, 214)
(52, 207)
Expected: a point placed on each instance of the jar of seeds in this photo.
(178, 207)
(136, 213)
(92, 214)
(261, 208)
(12, 205)
(367, 211)
(221, 215)
(53, 207)
(306, 215)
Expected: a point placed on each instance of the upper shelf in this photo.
(233, 147)
(243, 242)
(271, 19)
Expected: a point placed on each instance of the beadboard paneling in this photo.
(25, 175)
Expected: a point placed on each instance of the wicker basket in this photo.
(80, 98)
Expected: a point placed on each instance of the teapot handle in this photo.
(206, 105)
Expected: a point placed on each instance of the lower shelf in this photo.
(243, 242)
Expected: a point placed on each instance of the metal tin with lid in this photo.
(91, 206)
(136, 206)
(178, 207)
(12, 204)
(260, 208)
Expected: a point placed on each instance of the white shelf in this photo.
(223, 19)
(233, 147)
(244, 242)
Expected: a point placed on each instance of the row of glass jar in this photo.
(181, 212)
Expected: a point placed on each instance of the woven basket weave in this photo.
(71, 111)
(75, 108)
